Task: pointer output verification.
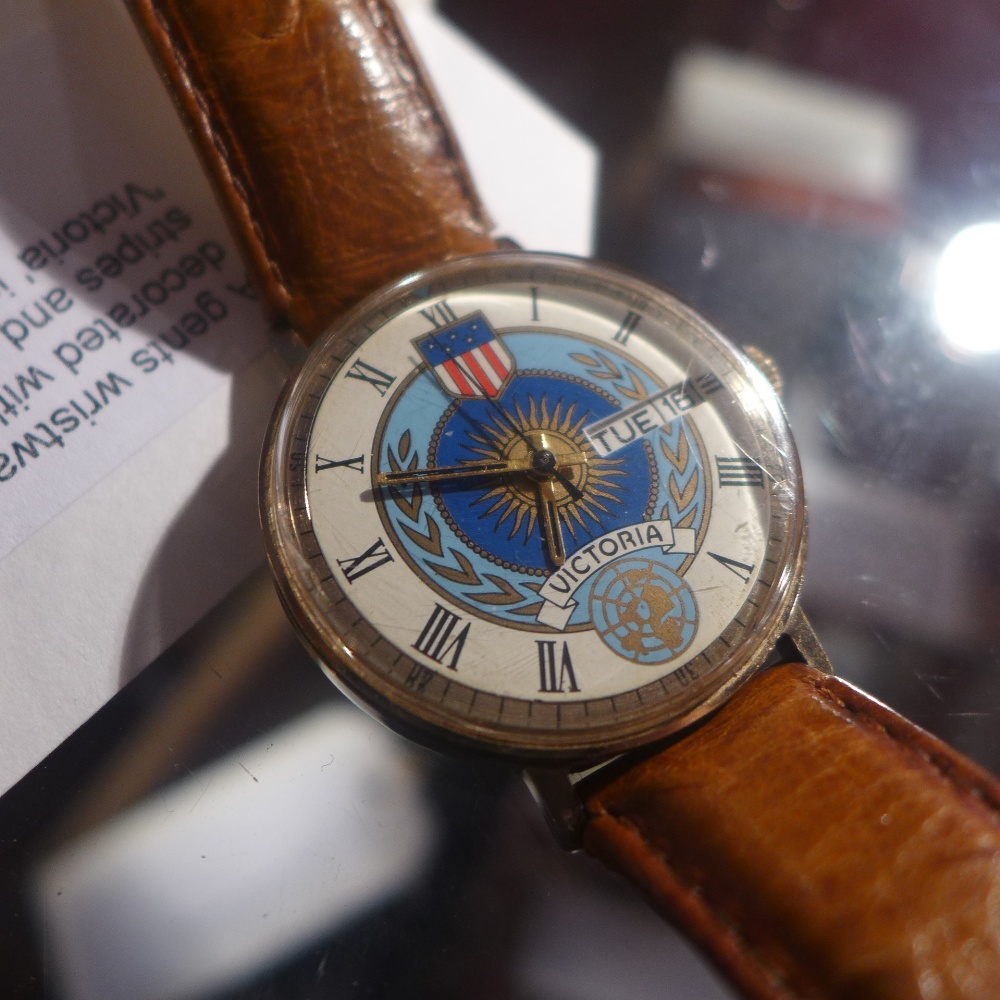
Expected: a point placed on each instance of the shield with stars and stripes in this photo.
(467, 357)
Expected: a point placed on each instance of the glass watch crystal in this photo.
(532, 505)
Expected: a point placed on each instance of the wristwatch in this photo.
(530, 506)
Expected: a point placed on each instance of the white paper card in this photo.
(123, 302)
(119, 537)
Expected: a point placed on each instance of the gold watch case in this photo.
(346, 395)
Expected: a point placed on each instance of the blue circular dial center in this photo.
(484, 541)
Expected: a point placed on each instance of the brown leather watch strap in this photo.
(325, 141)
(816, 845)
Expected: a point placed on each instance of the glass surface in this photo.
(575, 557)
(198, 838)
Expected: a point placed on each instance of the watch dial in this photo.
(533, 504)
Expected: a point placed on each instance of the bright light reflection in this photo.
(967, 290)
(210, 881)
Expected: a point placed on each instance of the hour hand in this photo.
(549, 512)
(468, 470)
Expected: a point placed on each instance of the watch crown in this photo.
(766, 365)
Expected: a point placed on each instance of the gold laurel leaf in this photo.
(465, 575)
(683, 499)
(678, 459)
(599, 365)
(506, 592)
(586, 360)
(411, 507)
(431, 542)
(609, 366)
(688, 519)
(635, 390)
(528, 611)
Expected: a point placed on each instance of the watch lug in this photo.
(800, 643)
(555, 792)
(555, 789)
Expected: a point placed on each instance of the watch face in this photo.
(530, 504)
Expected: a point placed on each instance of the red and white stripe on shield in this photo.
(479, 372)
(467, 357)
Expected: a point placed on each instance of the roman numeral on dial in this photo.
(440, 314)
(375, 378)
(419, 677)
(739, 471)
(629, 323)
(708, 383)
(374, 556)
(439, 640)
(554, 673)
(357, 464)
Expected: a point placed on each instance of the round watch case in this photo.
(545, 612)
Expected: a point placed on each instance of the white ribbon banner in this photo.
(559, 588)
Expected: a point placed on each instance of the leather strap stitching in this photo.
(711, 911)
(964, 778)
(386, 19)
(225, 154)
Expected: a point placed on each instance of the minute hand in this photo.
(468, 470)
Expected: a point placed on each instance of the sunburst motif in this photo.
(514, 496)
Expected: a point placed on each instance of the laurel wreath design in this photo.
(601, 366)
(685, 476)
(453, 565)
(682, 481)
(458, 569)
